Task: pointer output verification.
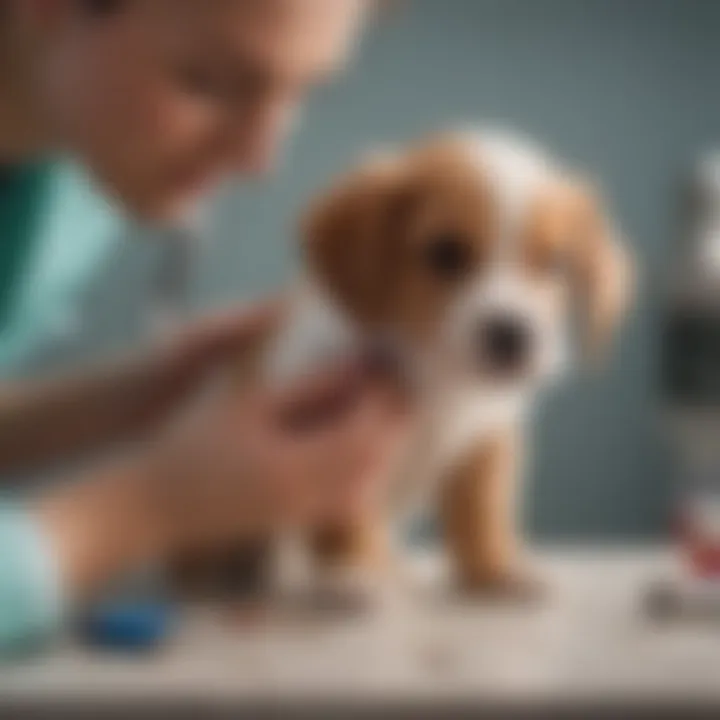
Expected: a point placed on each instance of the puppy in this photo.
(478, 264)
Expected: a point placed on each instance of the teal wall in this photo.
(625, 88)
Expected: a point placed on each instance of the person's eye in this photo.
(200, 82)
(448, 255)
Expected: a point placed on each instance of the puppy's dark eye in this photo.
(448, 255)
(200, 82)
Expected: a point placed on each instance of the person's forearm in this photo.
(49, 421)
(61, 548)
(41, 423)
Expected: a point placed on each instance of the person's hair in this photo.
(104, 7)
(101, 7)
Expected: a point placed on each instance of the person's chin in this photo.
(165, 208)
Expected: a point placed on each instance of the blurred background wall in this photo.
(624, 88)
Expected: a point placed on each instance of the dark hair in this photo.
(106, 7)
(100, 8)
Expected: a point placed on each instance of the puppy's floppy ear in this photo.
(349, 241)
(605, 273)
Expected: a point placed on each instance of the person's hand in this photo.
(244, 463)
(181, 362)
(240, 464)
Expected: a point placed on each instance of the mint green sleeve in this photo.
(31, 604)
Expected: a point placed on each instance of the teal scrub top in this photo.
(55, 231)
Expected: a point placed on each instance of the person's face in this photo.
(164, 98)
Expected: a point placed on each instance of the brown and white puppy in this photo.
(472, 258)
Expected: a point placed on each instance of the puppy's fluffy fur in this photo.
(479, 263)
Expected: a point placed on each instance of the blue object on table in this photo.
(128, 626)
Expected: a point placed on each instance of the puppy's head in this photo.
(475, 254)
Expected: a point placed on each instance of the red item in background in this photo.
(700, 546)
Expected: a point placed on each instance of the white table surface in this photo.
(587, 641)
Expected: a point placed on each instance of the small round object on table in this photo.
(128, 626)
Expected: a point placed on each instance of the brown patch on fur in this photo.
(347, 240)
(549, 234)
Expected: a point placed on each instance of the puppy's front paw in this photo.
(507, 586)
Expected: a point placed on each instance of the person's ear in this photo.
(350, 239)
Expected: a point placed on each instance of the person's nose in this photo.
(255, 141)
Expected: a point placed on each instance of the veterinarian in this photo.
(159, 100)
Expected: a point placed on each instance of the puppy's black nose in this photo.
(504, 343)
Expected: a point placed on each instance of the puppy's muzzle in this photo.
(504, 344)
